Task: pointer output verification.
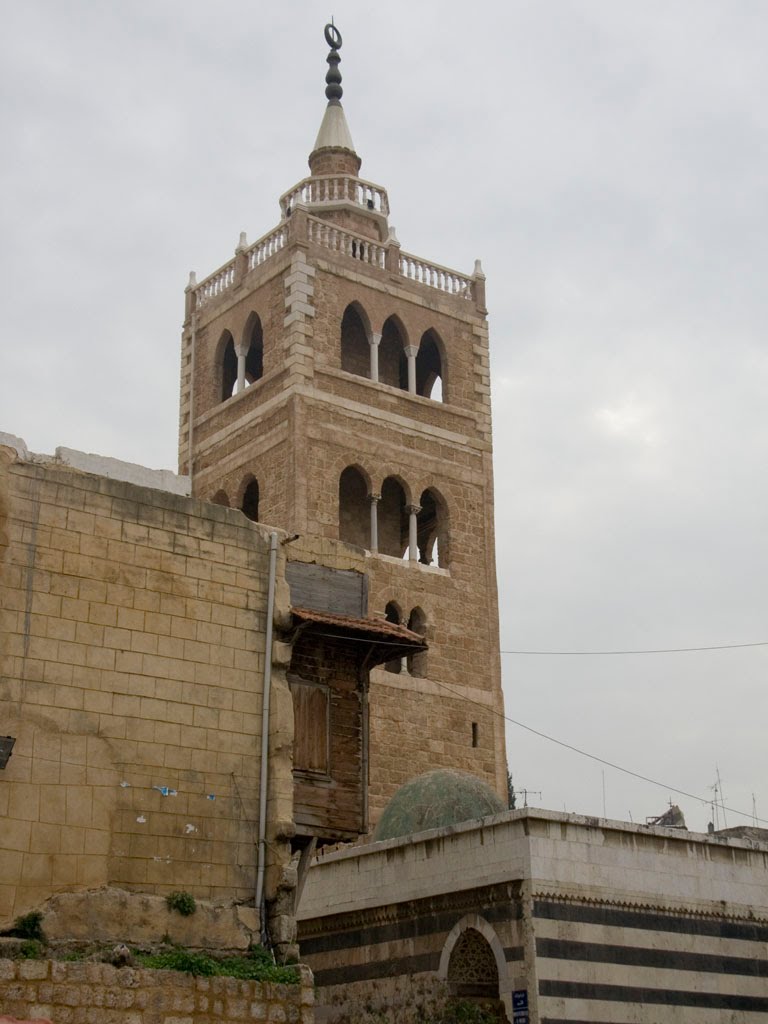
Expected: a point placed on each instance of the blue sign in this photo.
(520, 999)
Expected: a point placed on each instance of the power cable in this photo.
(594, 757)
(569, 746)
(660, 650)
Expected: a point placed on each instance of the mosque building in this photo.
(273, 680)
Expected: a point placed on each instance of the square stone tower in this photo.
(336, 386)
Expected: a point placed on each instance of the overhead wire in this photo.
(600, 760)
(655, 650)
(570, 746)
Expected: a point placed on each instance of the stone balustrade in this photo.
(435, 276)
(321, 232)
(267, 246)
(335, 189)
(336, 239)
(214, 285)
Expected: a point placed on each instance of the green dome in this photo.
(435, 799)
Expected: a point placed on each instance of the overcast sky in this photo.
(608, 163)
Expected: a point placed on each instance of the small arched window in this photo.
(393, 519)
(429, 368)
(254, 360)
(431, 529)
(392, 614)
(354, 508)
(355, 350)
(228, 366)
(393, 365)
(417, 663)
(250, 505)
(220, 498)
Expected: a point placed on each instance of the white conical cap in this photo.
(334, 131)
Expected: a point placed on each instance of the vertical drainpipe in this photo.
(261, 853)
(193, 346)
(365, 753)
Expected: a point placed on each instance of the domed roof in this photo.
(438, 798)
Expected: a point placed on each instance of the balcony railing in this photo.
(335, 188)
(435, 276)
(322, 232)
(384, 256)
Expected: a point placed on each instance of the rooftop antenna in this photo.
(718, 802)
(754, 811)
(722, 798)
(525, 792)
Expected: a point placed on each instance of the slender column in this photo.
(413, 541)
(374, 343)
(241, 351)
(374, 500)
(411, 352)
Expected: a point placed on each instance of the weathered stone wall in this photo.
(595, 920)
(132, 672)
(92, 993)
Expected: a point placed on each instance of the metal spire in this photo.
(333, 90)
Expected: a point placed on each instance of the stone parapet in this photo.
(95, 993)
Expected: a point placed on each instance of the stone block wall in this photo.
(92, 993)
(132, 647)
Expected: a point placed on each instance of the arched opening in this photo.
(220, 498)
(472, 970)
(431, 532)
(355, 350)
(254, 361)
(392, 614)
(354, 508)
(228, 366)
(429, 368)
(417, 662)
(393, 365)
(393, 519)
(250, 504)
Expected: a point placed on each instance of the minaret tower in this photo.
(334, 385)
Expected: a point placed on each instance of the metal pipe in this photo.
(261, 855)
(192, 346)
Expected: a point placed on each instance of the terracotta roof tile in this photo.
(373, 627)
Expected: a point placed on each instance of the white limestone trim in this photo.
(397, 290)
(102, 465)
(489, 934)
(434, 688)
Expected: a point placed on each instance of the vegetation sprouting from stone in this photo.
(28, 926)
(462, 1012)
(31, 949)
(182, 902)
(255, 965)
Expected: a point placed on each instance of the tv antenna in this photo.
(526, 792)
(718, 801)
